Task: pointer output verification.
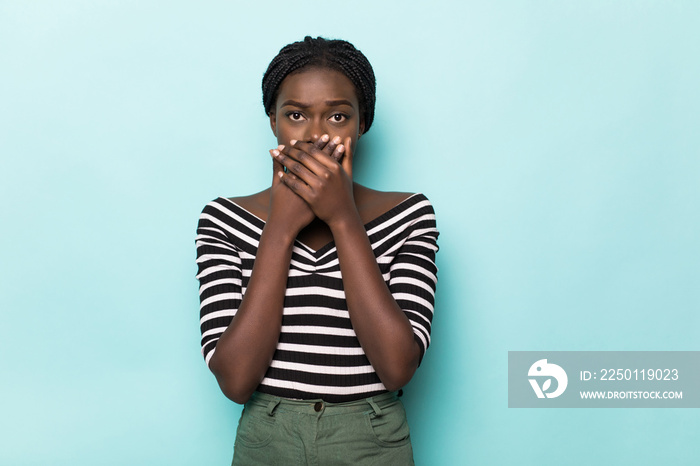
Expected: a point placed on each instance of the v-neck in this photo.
(317, 253)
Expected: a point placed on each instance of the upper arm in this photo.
(413, 272)
(220, 279)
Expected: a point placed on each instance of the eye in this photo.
(338, 117)
(295, 116)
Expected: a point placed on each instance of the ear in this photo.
(273, 122)
(362, 128)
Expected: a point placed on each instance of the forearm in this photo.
(382, 328)
(244, 351)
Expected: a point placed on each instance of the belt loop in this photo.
(375, 406)
(272, 405)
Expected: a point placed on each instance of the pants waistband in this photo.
(272, 403)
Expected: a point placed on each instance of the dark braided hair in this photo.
(337, 55)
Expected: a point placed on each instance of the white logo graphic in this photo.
(543, 369)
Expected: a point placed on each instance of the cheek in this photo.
(354, 135)
(286, 132)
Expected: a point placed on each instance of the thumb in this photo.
(348, 156)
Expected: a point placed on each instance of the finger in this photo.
(295, 184)
(348, 157)
(310, 156)
(321, 142)
(276, 167)
(338, 152)
(331, 147)
(298, 163)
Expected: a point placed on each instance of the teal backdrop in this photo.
(558, 141)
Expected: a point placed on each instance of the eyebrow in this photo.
(294, 103)
(333, 103)
(330, 103)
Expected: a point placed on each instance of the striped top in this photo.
(318, 354)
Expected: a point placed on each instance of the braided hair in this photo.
(337, 55)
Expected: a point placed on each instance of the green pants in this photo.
(278, 431)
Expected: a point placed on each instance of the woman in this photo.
(317, 293)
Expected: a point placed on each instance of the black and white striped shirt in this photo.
(318, 354)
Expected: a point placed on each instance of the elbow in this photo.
(396, 379)
(233, 387)
(399, 372)
(398, 375)
(233, 393)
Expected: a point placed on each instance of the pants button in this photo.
(318, 406)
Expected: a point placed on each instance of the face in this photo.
(314, 102)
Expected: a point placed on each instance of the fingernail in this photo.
(340, 148)
(325, 138)
(280, 147)
(293, 141)
(280, 174)
(336, 140)
(275, 152)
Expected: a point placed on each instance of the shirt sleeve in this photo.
(220, 279)
(413, 273)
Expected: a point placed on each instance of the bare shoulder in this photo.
(256, 204)
(372, 203)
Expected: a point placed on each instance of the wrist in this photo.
(346, 223)
(278, 234)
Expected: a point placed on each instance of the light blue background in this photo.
(558, 141)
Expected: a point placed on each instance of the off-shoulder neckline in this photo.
(404, 204)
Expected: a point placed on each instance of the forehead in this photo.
(317, 85)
